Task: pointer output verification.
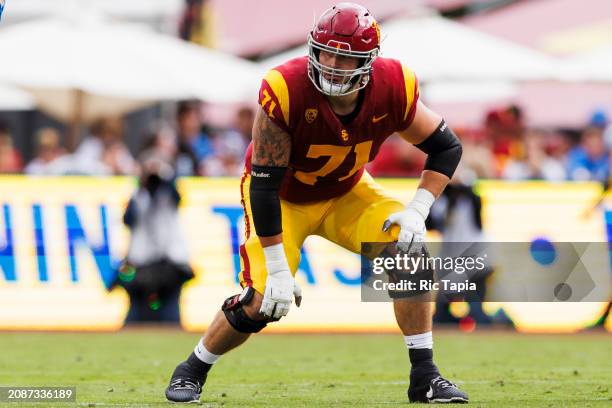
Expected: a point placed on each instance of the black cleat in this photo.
(185, 385)
(439, 391)
(186, 390)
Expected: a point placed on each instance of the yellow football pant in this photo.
(347, 220)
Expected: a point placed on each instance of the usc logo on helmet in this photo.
(311, 115)
(377, 28)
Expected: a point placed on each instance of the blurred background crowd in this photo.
(506, 141)
(502, 147)
(188, 144)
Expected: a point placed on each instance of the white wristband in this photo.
(275, 258)
(422, 201)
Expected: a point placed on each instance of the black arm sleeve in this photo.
(265, 203)
(443, 150)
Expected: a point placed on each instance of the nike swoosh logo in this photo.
(429, 393)
(378, 119)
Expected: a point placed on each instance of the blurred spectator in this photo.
(230, 146)
(517, 118)
(161, 143)
(51, 158)
(103, 151)
(599, 119)
(194, 144)
(10, 158)
(193, 25)
(608, 137)
(244, 123)
(589, 160)
(397, 158)
(534, 163)
(157, 264)
(477, 152)
(503, 128)
(457, 214)
(558, 146)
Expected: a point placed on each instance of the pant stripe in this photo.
(247, 222)
(246, 273)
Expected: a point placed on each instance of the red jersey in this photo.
(328, 157)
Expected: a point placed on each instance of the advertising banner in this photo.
(62, 239)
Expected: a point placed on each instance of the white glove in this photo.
(280, 284)
(412, 222)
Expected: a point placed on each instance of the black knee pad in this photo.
(233, 307)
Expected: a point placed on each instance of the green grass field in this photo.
(131, 368)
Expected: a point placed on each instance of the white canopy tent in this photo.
(468, 91)
(119, 61)
(80, 69)
(438, 49)
(14, 99)
(134, 9)
(594, 65)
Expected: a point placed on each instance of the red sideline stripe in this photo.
(246, 275)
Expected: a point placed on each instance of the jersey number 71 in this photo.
(337, 155)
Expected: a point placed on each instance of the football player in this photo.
(322, 117)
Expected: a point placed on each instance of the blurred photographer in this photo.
(457, 215)
(157, 264)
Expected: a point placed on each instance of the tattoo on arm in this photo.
(271, 145)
